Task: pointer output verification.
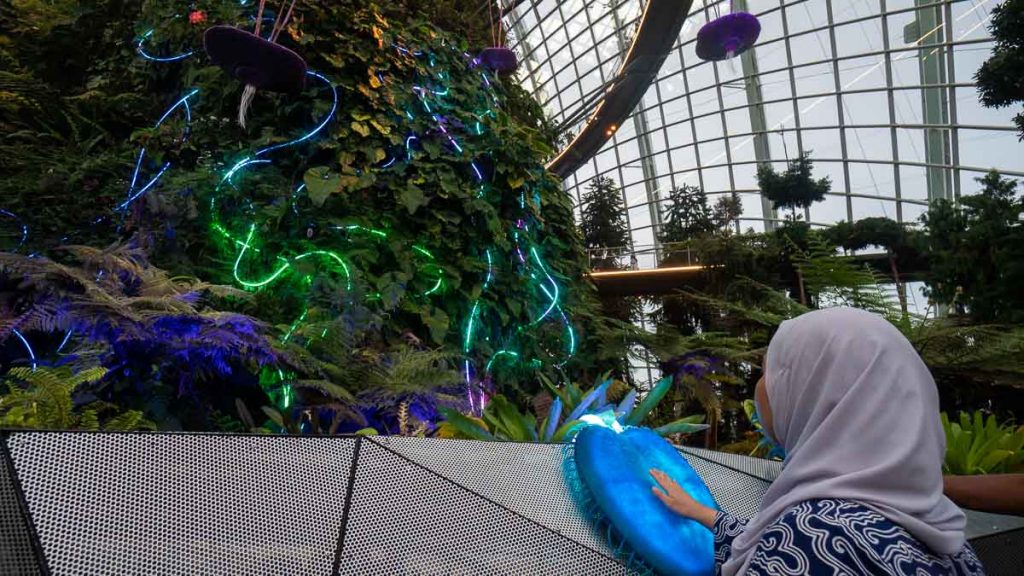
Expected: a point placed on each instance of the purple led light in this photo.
(727, 36)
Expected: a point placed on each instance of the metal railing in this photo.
(641, 256)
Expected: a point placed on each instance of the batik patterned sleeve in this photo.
(727, 527)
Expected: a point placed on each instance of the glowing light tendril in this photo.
(142, 51)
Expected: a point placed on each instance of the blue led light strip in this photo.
(142, 51)
(134, 194)
(28, 348)
(24, 228)
(319, 127)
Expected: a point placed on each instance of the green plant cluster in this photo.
(77, 103)
(572, 408)
(980, 445)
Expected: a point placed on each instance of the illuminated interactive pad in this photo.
(614, 467)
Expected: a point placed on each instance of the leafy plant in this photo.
(999, 79)
(688, 215)
(979, 445)
(976, 252)
(148, 329)
(603, 221)
(793, 188)
(44, 398)
(571, 408)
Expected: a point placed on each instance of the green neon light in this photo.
(423, 251)
(258, 284)
(554, 285)
(332, 256)
(440, 282)
(498, 354)
(294, 326)
(468, 341)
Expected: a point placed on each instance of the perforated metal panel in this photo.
(737, 492)
(184, 504)
(16, 555)
(233, 504)
(767, 470)
(407, 519)
(1001, 554)
(525, 478)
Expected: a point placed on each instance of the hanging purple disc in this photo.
(255, 61)
(727, 36)
(499, 59)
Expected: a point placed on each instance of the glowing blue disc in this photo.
(614, 467)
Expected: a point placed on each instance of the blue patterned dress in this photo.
(838, 537)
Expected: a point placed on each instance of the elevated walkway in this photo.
(658, 29)
(641, 270)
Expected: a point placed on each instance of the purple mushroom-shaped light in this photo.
(255, 60)
(499, 59)
(727, 36)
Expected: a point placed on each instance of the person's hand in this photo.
(673, 496)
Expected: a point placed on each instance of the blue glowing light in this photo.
(24, 228)
(28, 348)
(319, 127)
(134, 194)
(611, 470)
(64, 341)
(142, 51)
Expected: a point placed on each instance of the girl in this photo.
(857, 412)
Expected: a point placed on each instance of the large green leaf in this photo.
(465, 425)
(321, 183)
(686, 425)
(649, 402)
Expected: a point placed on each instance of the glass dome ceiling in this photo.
(880, 92)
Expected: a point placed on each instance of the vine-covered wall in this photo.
(402, 192)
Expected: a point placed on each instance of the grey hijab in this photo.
(857, 412)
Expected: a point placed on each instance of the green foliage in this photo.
(976, 252)
(603, 220)
(502, 420)
(688, 215)
(44, 399)
(794, 188)
(1001, 78)
(77, 102)
(979, 445)
(831, 280)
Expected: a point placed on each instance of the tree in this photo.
(898, 242)
(794, 188)
(977, 252)
(727, 210)
(1001, 78)
(603, 221)
(688, 215)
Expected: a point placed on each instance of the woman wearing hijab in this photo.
(857, 412)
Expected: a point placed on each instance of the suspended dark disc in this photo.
(499, 59)
(255, 61)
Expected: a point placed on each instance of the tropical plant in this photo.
(572, 407)
(687, 216)
(1001, 78)
(149, 329)
(899, 242)
(603, 221)
(980, 445)
(976, 252)
(765, 448)
(45, 398)
(727, 211)
(793, 188)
